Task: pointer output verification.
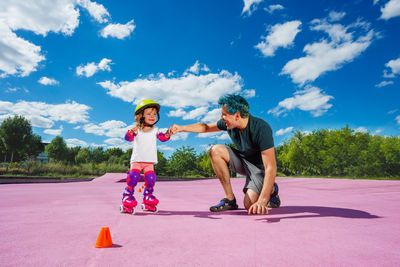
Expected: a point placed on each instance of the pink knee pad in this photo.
(150, 178)
(133, 177)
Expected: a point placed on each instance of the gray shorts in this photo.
(254, 174)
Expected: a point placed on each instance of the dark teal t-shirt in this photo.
(256, 137)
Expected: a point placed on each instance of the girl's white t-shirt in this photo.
(145, 146)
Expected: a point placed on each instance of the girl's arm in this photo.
(130, 134)
(163, 137)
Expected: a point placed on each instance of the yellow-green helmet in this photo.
(147, 103)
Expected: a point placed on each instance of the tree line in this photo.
(341, 152)
(323, 152)
(183, 162)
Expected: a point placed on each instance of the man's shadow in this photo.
(301, 212)
(285, 212)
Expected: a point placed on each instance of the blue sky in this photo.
(77, 68)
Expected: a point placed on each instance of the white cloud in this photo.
(272, 8)
(182, 92)
(21, 57)
(196, 68)
(40, 17)
(179, 136)
(250, 6)
(91, 68)
(44, 115)
(284, 131)
(97, 11)
(398, 119)
(361, 130)
(195, 113)
(391, 9)
(54, 131)
(16, 89)
(165, 148)
(177, 113)
(216, 135)
(110, 128)
(336, 16)
(212, 116)
(48, 81)
(384, 83)
(330, 55)
(281, 35)
(394, 66)
(71, 142)
(312, 99)
(17, 56)
(119, 31)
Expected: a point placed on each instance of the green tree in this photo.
(17, 139)
(113, 154)
(161, 168)
(57, 149)
(98, 155)
(182, 162)
(72, 152)
(84, 156)
(35, 145)
(340, 153)
(204, 164)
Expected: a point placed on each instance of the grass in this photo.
(36, 169)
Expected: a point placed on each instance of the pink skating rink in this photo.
(322, 222)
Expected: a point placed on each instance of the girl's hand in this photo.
(133, 130)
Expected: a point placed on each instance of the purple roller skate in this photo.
(150, 203)
(149, 200)
(129, 202)
(128, 205)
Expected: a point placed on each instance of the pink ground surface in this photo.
(322, 222)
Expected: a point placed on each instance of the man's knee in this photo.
(219, 151)
(250, 198)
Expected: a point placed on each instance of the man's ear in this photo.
(237, 116)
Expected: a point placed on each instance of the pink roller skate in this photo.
(150, 203)
(128, 205)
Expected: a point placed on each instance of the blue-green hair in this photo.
(235, 103)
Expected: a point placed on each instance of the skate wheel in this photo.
(156, 209)
(143, 207)
(134, 211)
(121, 209)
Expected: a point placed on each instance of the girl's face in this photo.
(150, 115)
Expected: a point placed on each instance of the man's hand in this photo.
(174, 129)
(260, 207)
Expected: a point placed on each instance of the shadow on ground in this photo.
(286, 212)
(301, 212)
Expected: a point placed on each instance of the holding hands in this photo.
(174, 129)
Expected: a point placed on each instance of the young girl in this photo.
(144, 156)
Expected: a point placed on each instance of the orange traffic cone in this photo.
(104, 238)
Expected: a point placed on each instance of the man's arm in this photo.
(195, 128)
(269, 161)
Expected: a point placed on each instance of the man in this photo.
(254, 155)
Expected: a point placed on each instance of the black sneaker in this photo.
(274, 200)
(225, 204)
